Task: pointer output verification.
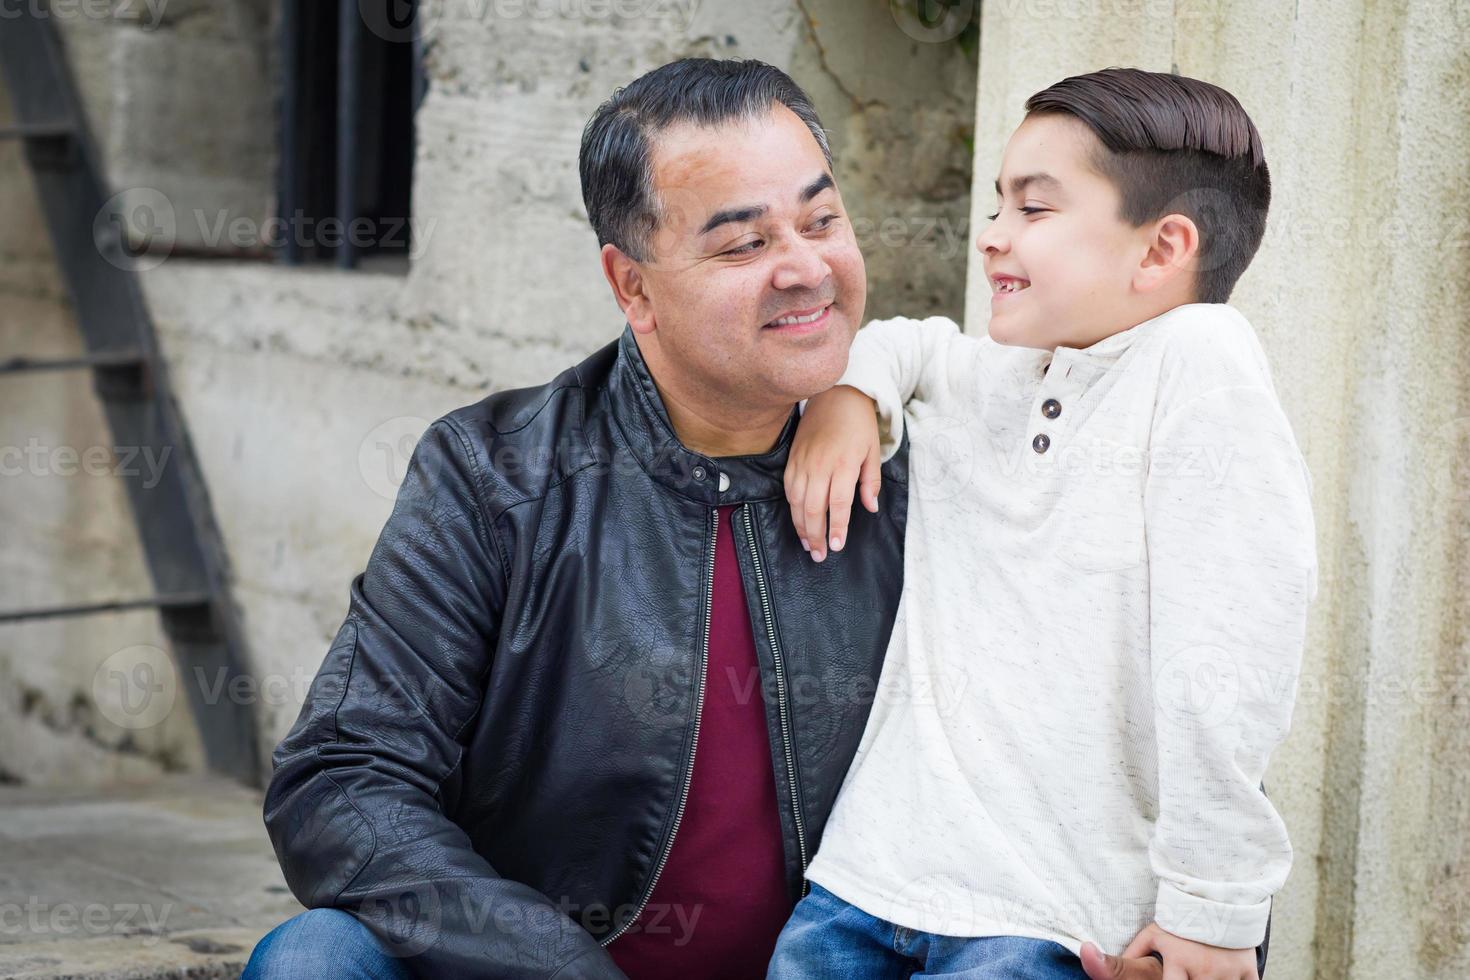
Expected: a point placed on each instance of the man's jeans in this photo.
(828, 938)
(322, 944)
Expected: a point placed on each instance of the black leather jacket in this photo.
(490, 766)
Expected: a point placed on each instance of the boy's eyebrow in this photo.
(1042, 180)
(752, 211)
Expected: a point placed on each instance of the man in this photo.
(591, 702)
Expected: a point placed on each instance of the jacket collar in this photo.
(641, 418)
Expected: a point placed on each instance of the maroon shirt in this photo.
(721, 900)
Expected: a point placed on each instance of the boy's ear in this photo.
(1172, 251)
(629, 288)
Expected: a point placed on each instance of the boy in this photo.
(1109, 558)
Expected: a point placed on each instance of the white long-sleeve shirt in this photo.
(1107, 570)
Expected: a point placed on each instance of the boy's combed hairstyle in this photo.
(615, 160)
(1176, 145)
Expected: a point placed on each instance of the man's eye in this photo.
(824, 222)
(746, 249)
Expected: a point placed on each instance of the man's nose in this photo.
(799, 265)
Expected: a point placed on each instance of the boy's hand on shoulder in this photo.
(1185, 959)
(835, 450)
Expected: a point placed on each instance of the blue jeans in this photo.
(322, 944)
(828, 938)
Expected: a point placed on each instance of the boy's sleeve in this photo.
(1232, 569)
(894, 360)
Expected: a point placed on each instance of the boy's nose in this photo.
(990, 240)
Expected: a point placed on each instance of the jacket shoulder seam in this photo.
(483, 523)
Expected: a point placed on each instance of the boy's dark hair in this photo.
(1176, 145)
(615, 162)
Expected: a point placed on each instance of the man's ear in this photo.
(629, 288)
(1172, 251)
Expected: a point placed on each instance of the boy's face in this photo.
(1060, 260)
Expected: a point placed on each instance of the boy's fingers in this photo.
(814, 515)
(870, 480)
(1142, 944)
(795, 494)
(839, 506)
(1100, 966)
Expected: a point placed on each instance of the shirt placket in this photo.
(1049, 422)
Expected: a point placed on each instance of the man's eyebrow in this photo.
(1019, 184)
(735, 215)
(752, 211)
(816, 187)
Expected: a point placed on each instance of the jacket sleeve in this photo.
(1232, 570)
(892, 361)
(354, 807)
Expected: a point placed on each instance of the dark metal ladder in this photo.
(183, 548)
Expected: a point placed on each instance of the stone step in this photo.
(173, 878)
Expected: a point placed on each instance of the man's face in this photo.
(1059, 258)
(754, 279)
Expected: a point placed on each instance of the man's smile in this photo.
(802, 321)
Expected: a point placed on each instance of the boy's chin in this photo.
(1012, 331)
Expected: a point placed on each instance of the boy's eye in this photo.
(1026, 210)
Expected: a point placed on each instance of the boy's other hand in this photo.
(835, 449)
(1185, 959)
(1100, 966)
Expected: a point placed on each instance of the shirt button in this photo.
(1051, 408)
(698, 473)
(1041, 443)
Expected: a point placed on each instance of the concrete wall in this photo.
(305, 389)
(1361, 294)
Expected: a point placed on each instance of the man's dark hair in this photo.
(616, 162)
(1176, 145)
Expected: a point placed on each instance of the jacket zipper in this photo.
(781, 706)
(663, 858)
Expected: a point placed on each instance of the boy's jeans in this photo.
(826, 937)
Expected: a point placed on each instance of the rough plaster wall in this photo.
(1360, 293)
(305, 389)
